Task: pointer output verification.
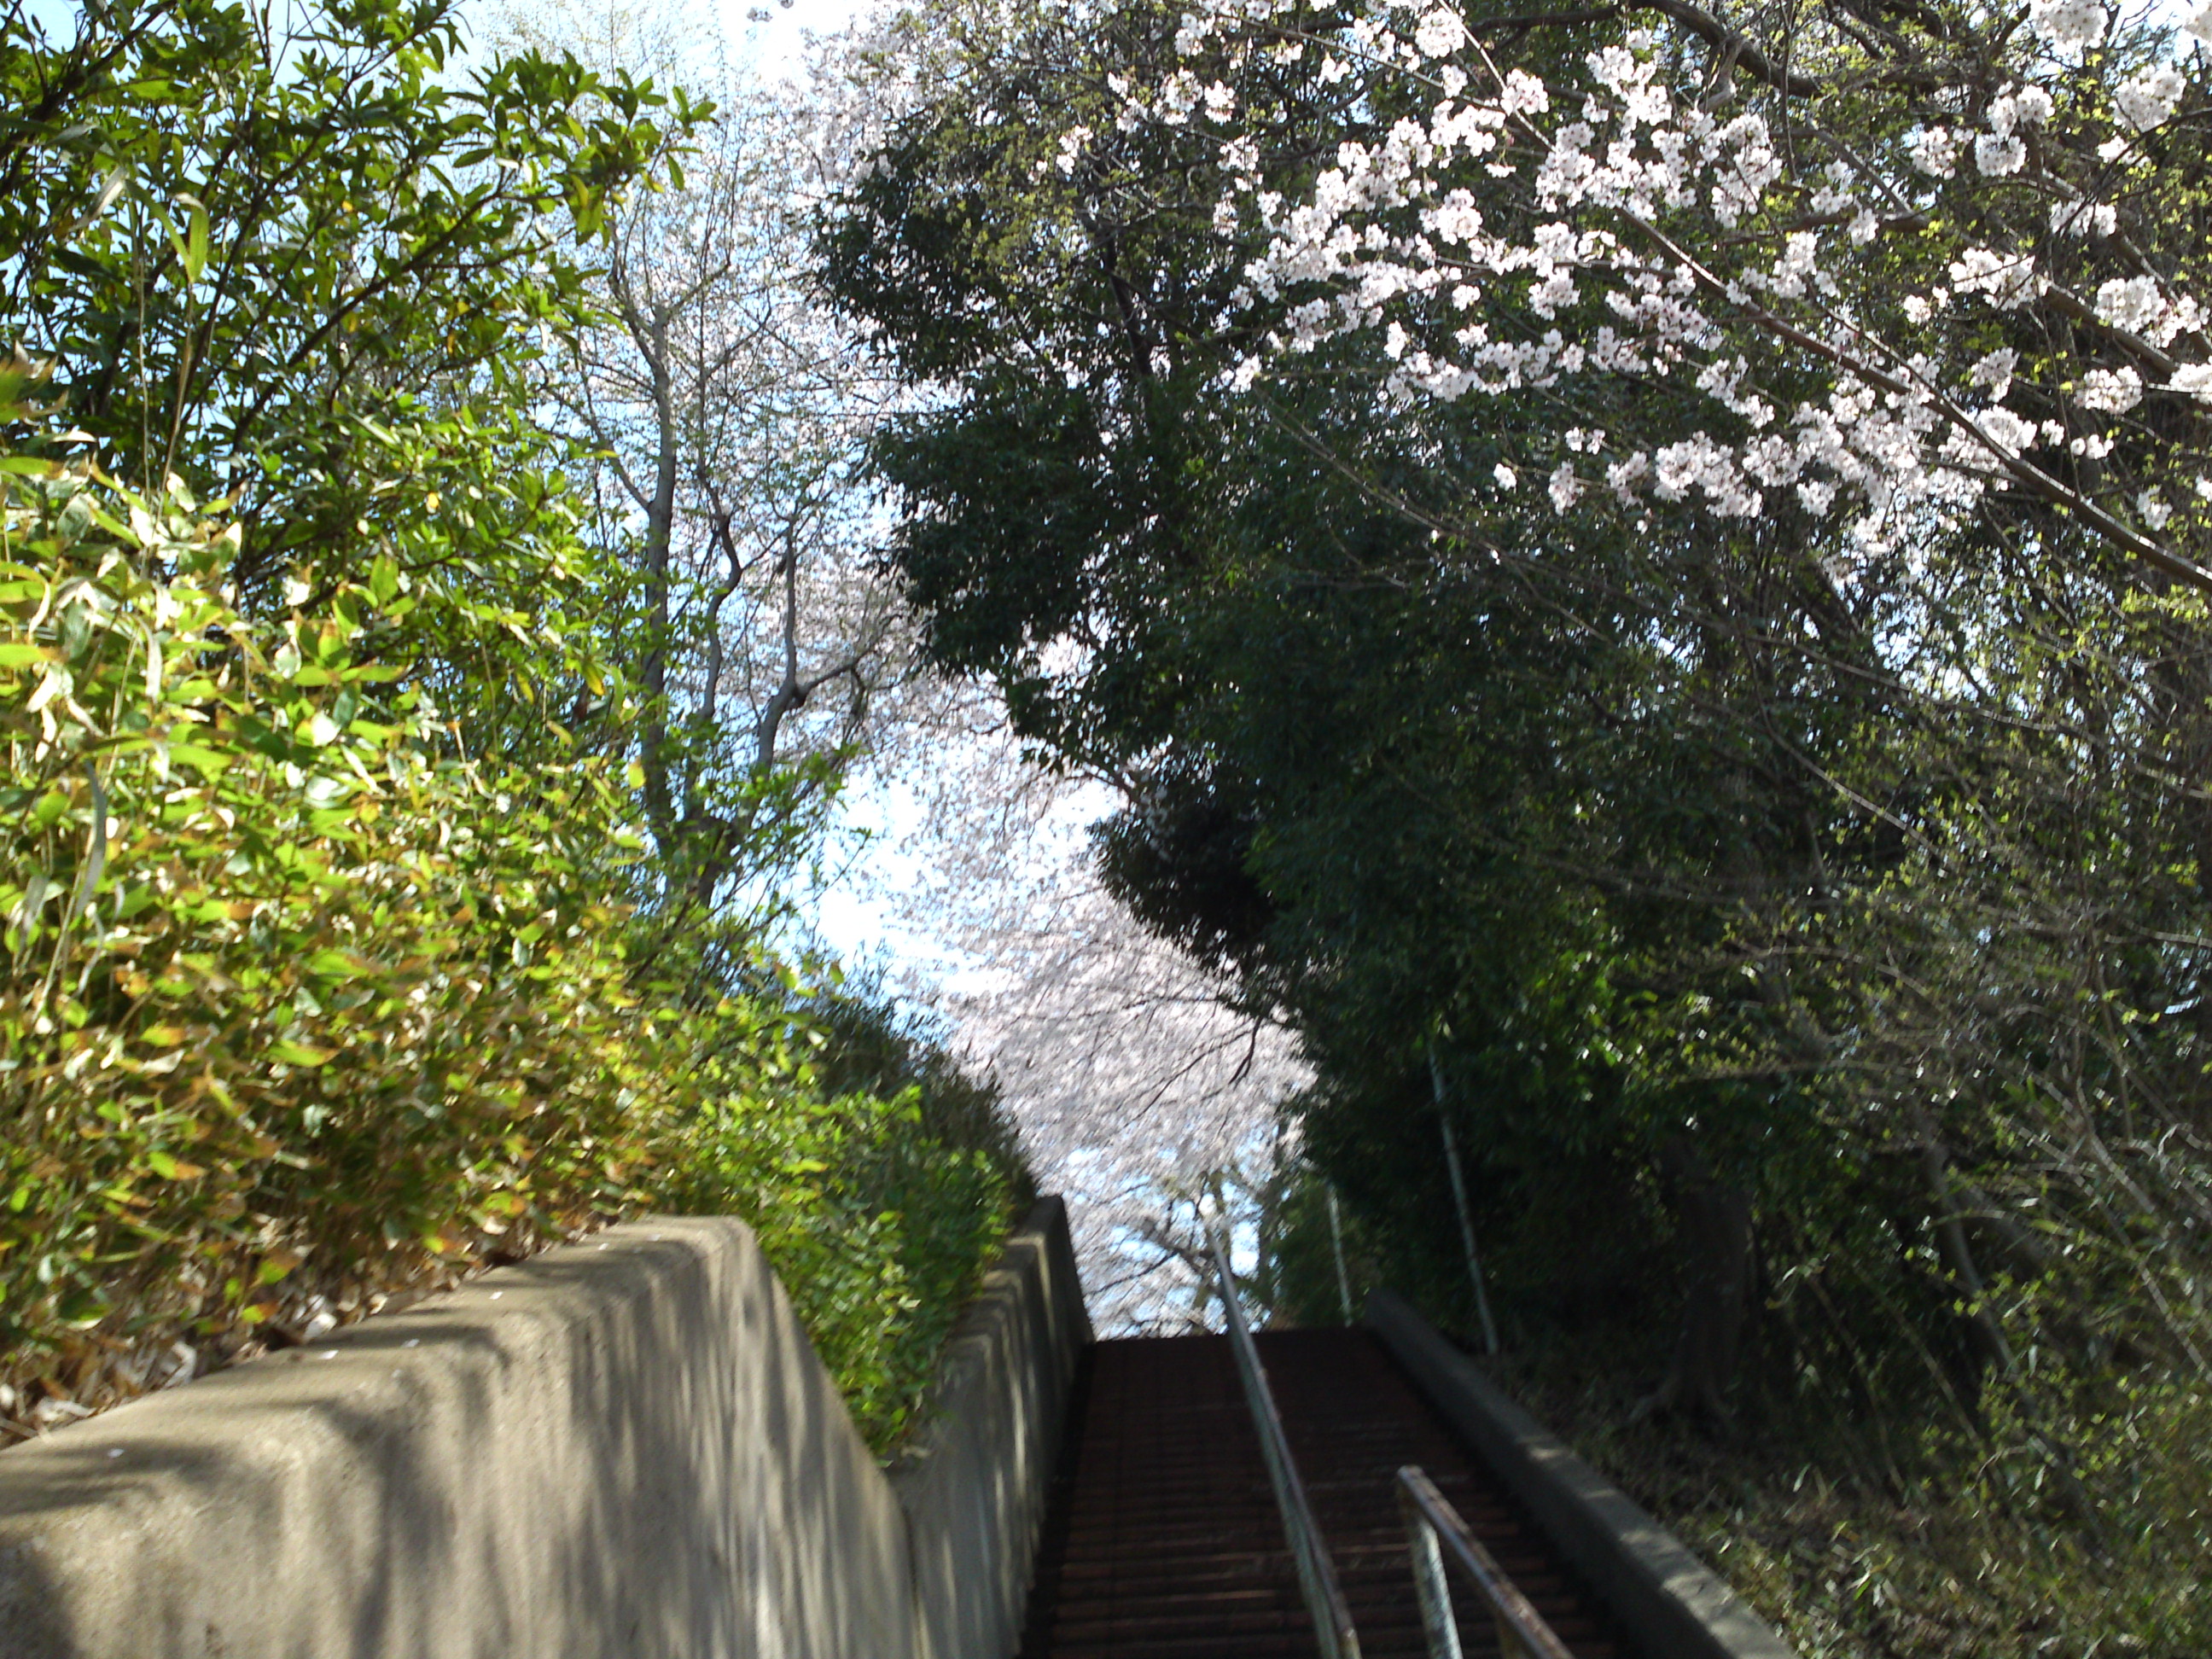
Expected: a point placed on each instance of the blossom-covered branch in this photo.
(1984, 287)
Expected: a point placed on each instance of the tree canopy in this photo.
(1638, 572)
(338, 956)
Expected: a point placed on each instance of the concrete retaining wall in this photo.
(623, 1448)
(974, 1483)
(1672, 1607)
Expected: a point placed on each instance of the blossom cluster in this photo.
(1518, 233)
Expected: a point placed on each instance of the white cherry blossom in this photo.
(2113, 390)
(1935, 151)
(2079, 218)
(2133, 303)
(1997, 154)
(2148, 100)
(1508, 232)
(2068, 25)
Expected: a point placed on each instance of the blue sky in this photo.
(779, 44)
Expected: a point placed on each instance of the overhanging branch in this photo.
(1732, 46)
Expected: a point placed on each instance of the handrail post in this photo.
(1434, 1528)
(1324, 1599)
(1459, 1203)
(1430, 1584)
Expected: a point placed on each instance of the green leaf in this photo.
(81, 1307)
(298, 1054)
(196, 245)
(206, 762)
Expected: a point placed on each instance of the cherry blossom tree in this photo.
(722, 412)
(1144, 1096)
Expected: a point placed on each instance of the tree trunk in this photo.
(1715, 1218)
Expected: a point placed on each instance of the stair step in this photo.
(1163, 1540)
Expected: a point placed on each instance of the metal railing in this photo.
(1435, 1530)
(1316, 1576)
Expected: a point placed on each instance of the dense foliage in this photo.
(334, 966)
(274, 965)
(1800, 923)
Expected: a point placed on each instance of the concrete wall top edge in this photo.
(1029, 1296)
(1670, 1603)
(974, 1480)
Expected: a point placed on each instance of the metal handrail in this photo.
(1316, 1576)
(1434, 1528)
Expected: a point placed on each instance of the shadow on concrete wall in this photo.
(624, 1448)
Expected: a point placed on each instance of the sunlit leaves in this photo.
(230, 248)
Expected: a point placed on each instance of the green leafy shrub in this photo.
(1866, 1536)
(878, 1231)
(279, 981)
(872, 1045)
(301, 1009)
